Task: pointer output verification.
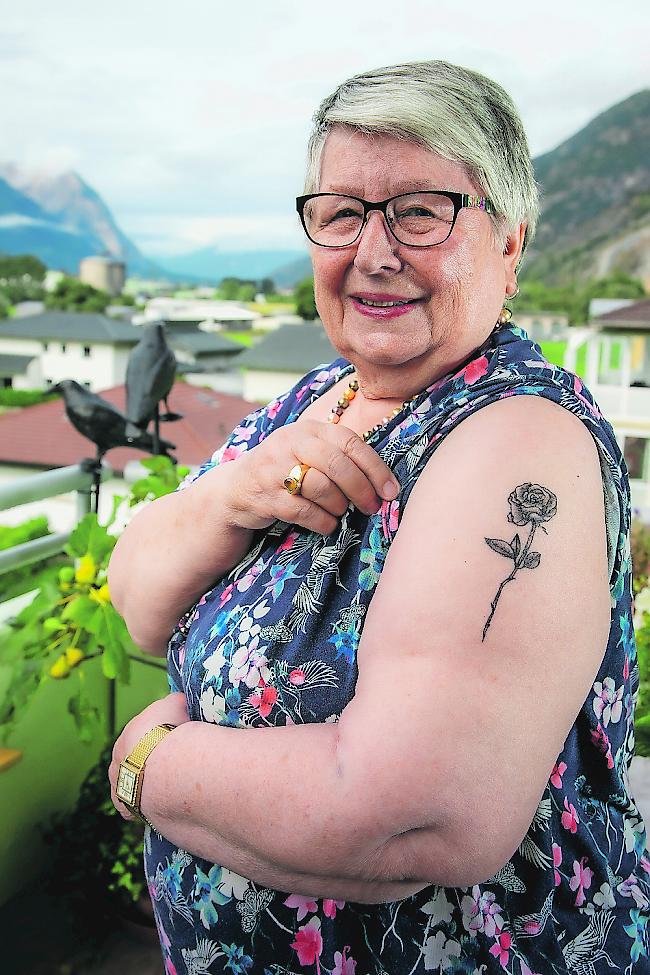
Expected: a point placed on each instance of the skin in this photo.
(366, 824)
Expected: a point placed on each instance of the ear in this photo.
(512, 252)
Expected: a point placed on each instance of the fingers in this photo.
(351, 465)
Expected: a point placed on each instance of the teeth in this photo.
(382, 304)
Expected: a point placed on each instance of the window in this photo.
(63, 346)
(48, 382)
(86, 352)
(46, 346)
(6, 382)
(87, 385)
(635, 453)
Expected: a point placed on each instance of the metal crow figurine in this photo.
(101, 422)
(150, 376)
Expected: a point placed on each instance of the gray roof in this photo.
(291, 348)
(71, 326)
(202, 343)
(11, 365)
(637, 314)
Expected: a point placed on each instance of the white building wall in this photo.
(261, 386)
(104, 367)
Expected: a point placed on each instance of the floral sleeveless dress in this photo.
(275, 642)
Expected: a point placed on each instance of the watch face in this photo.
(126, 782)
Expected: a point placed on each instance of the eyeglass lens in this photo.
(420, 219)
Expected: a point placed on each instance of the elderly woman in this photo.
(412, 573)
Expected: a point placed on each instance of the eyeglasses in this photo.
(416, 219)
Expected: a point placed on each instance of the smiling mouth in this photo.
(384, 304)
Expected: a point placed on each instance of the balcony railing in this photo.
(37, 487)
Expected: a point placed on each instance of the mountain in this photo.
(596, 198)
(211, 264)
(288, 275)
(61, 219)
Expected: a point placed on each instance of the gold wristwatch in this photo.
(131, 772)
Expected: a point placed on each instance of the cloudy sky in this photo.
(190, 118)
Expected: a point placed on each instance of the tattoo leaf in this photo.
(530, 504)
(532, 560)
(502, 547)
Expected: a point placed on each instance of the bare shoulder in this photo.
(493, 610)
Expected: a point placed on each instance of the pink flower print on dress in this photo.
(330, 906)
(557, 860)
(556, 775)
(305, 905)
(581, 879)
(501, 948)
(342, 964)
(389, 518)
(607, 703)
(297, 677)
(601, 741)
(247, 580)
(570, 818)
(226, 595)
(481, 912)
(475, 370)
(264, 699)
(233, 452)
(309, 944)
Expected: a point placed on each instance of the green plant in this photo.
(25, 397)
(96, 856)
(642, 637)
(640, 551)
(71, 619)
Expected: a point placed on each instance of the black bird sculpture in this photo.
(150, 375)
(101, 422)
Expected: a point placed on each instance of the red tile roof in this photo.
(42, 435)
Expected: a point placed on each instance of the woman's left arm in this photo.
(472, 669)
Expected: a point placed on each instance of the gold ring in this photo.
(293, 481)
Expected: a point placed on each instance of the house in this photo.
(38, 351)
(282, 357)
(188, 311)
(617, 372)
(42, 437)
(91, 348)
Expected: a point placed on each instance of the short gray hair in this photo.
(452, 111)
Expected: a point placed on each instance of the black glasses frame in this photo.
(459, 201)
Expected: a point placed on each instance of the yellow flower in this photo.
(60, 668)
(101, 595)
(73, 656)
(86, 570)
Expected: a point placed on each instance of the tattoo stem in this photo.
(517, 565)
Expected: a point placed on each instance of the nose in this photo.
(376, 247)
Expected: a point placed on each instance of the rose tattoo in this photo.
(530, 504)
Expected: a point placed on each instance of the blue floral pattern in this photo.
(275, 642)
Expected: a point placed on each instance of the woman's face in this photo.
(455, 289)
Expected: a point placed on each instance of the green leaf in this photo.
(115, 663)
(81, 610)
(86, 717)
(501, 547)
(91, 538)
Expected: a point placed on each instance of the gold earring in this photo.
(505, 316)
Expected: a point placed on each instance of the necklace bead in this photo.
(345, 400)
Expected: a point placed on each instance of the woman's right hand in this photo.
(343, 470)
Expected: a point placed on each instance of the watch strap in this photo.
(138, 756)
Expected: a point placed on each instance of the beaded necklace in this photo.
(353, 387)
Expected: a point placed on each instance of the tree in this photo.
(267, 286)
(73, 295)
(304, 299)
(15, 266)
